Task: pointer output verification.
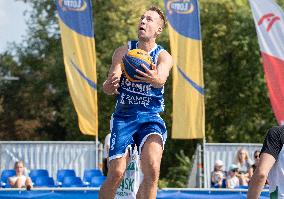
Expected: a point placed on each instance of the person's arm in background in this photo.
(228, 183)
(111, 84)
(212, 177)
(28, 183)
(12, 181)
(250, 172)
(271, 148)
(16, 182)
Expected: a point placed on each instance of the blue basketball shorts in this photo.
(127, 130)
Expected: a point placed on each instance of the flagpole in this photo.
(97, 153)
(204, 164)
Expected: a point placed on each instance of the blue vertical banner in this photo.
(77, 36)
(188, 87)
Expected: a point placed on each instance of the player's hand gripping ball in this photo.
(133, 60)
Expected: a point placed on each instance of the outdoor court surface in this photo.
(92, 193)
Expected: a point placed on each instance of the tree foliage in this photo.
(178, 172)
(237, 103)
(38, 107)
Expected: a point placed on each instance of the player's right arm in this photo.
(111, 84)
(271, 148)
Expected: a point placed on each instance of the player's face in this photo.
(149, 26)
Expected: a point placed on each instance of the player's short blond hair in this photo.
(160, 13)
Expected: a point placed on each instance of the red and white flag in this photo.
(269, 22)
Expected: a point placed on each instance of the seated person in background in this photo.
(243, 163)
(256, 156)
(232, 179)
(218, 176)
(20, 180)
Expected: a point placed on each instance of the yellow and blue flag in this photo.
(188, 86)
(77, 35)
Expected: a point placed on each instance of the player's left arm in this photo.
(159, 73)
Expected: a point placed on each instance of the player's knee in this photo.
(262, 176)
(116, 175)
(153, 172)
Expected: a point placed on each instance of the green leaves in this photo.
(236, 95)
(177, 175)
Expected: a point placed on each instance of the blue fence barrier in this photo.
(92, 193)
(206, 194)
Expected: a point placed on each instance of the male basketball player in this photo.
(271, 164)
(136, 118)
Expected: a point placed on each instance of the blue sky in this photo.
(12, 22)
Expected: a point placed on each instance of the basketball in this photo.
(132, 61)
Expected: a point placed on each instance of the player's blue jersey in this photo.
(136, 97)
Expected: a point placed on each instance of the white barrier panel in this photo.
(50, 155)
(225, 152)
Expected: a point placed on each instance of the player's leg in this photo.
(151, 156)
(115, 175)
(122, 129)
(152, 136)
